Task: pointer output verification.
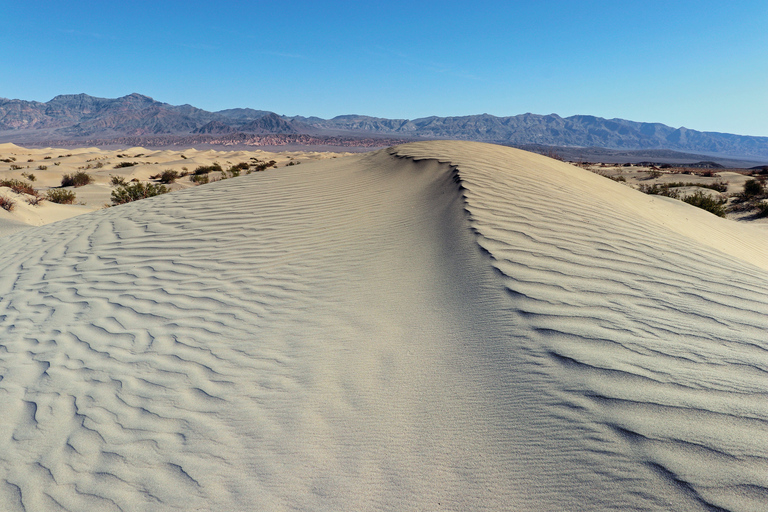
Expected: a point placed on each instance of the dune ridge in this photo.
(437, 326)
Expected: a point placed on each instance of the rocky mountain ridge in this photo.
(80, 116)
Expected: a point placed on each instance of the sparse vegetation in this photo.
(205, 169)
(78, 179)
(29, 176)
(35, 200)
(7, 204)
(707, 202)
(200, 179)
(136, 191)
(15, 167)
(169, 176)
(46, 158)
(19, 187)
(60, 196)
(259, 165)
(117, 180)
(125, 164)
(754, 188)
(41, 167)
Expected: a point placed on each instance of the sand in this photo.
(436, 326)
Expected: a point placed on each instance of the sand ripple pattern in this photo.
(656, 345)
(381, 332)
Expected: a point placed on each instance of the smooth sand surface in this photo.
(436, 326)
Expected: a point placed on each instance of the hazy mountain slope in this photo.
(79, 115)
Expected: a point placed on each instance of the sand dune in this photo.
(437, 326)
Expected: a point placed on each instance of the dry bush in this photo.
(7, 203)
(19, 187)
(60, 196)
(78, 179)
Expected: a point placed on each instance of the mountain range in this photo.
(76, 117)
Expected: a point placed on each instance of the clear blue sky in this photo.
(700, 64)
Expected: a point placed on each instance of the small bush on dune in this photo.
(200, 179)
(136, 191)
(19, 187)
(7, 204)
(706, 202)
(78, 179)
(205, 169)
(117, 180)
(753, 188)
(29, 176)
(60, 196)
(125, 164)
(169, 176)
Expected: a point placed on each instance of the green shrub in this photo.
(205, 169)
(29, 176)
(42, 167)
(200, 179)
(706, 202)
(762, 209)
(125, 164)
(751, 188)
(60, 196)
(7, 204)
(117, 180)
(660, 189)
(78, 179)
(136, 191)
(169, 176)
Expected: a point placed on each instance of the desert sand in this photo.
(435, 326)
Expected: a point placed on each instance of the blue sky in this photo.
(703, 64)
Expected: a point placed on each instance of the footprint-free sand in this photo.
(435, 326)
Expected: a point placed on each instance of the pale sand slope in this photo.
(385, 332)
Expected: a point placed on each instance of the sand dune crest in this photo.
(498, 331)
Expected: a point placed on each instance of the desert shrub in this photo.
(205, 169)
(60, 196)
(29, 176)
(751, 188)
(35, 200)
(182, 156)
(56, 163)
(125, 164)
(6, 160)
(706, 202)
(15, 167)
(200, 179)
(78, 179)
(31, 160)
(46, 158)
(259, 165)
(660, 190)
(19, 187)
(42, 167)
(7, 204)
(762, 209)
(117, 180)
(136, 191)
(99, 165)
(169, 176)
(720, 186)
(654, 173)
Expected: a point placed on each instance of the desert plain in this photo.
(438, 326)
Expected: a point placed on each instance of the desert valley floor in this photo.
(434, 326)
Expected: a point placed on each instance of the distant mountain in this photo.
(79, 116)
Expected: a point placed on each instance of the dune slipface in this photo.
(437, 326)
